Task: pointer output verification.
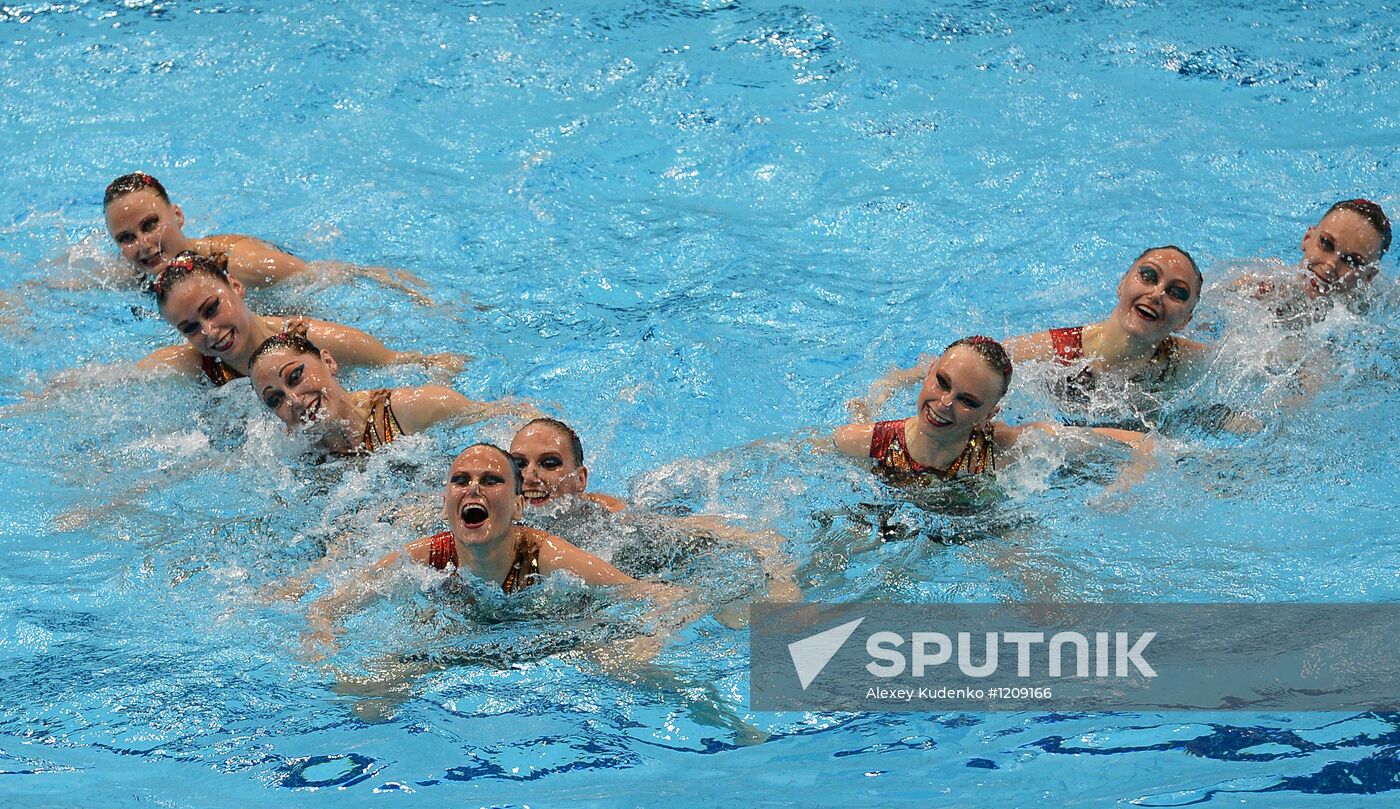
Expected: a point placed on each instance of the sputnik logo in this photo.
(811, 654)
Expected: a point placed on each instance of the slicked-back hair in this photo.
(991, 351)
(575, 444)
(1372, 212)
(129, 183)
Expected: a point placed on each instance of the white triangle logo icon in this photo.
(810, 655)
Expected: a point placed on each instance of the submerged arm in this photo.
(885, 387)
(352, 595)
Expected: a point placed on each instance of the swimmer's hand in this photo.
(446, 365)
(318, 643)
(859, 410)
(291, 588)
(399, 280)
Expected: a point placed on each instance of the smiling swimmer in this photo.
(298, 382)
(1137, 341)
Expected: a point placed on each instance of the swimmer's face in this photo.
(1340, 251)
(546, 462)
(147, 229)
(210, 314)
(959, 393)
(480, 503)
(1158, 295)
(300, 389)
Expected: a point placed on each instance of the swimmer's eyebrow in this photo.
(283, 370)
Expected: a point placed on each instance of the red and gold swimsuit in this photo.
(382, 426)
(524, 572)
(888, 447)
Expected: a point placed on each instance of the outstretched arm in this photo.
(882, 389)
(1088, 439)
(252, 261)
(399, 280)
(422, 407)
(350, 596)
(352, 347)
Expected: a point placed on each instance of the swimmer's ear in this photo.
(237, 286)
(179, 216)
(1303, 245)
(330, 362)
(582, 474)
(518, 515)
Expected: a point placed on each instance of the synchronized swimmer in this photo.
(293, 365)
(149, 230)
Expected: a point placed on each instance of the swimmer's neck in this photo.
(492, 560)
(347, 419)
(258, 332)
(1110, 348)
(930, 452)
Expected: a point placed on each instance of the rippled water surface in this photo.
(684, 227)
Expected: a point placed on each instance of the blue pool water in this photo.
(688, 226)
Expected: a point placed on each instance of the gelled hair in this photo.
(187, 265)
(514, 467)
(1372, 213)
(991, 351)
(1200, 279)
(129, 183)
(575, 445)
(298, 343)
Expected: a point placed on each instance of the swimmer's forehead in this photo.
(271, 362)
(549, 435)
(135, 203)
(475, 459)
(1353, 226)
(190, 292)
(964, 367)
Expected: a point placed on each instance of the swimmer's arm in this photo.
(854, 439)
(1034, 347)
(182, 358)
(557, 553)
(400, 280)
(422, 407)
(885, 387)
(352, 347)
(252, 261)
(1006, 436)
(607, 501)
(351, 596)
(1142, 445)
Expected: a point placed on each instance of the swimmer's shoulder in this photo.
(254, 262)
(854, 439)
(556, 553)
(181, 358)
(419, 550)
(1034, 347)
